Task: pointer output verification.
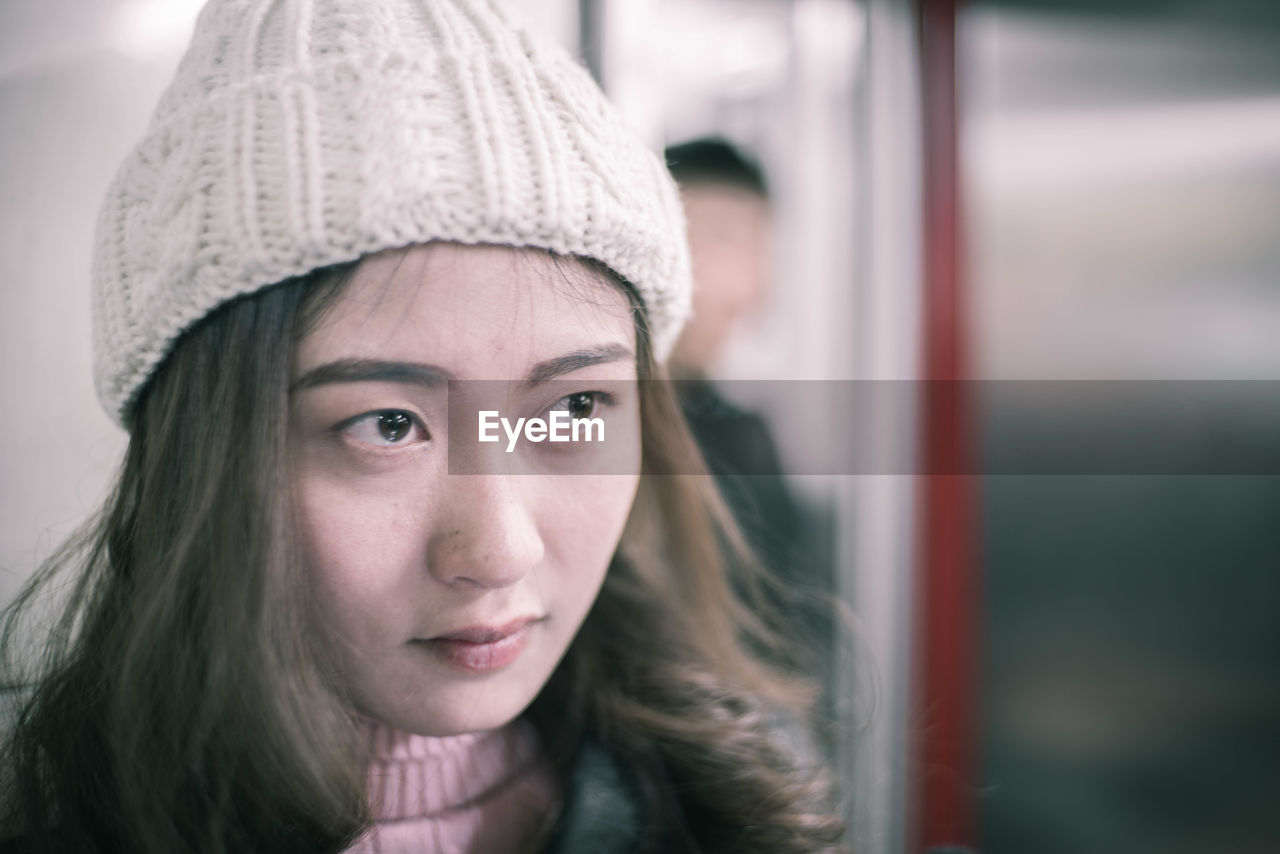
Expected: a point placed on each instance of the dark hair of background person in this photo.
(187, 700)
(714, 160)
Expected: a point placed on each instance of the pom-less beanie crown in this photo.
(303, 133)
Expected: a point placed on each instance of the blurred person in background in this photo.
(726, 202)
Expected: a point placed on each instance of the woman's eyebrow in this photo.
(551, 368)
(372, 370)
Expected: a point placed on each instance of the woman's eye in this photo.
(385, 428)
(581, 404)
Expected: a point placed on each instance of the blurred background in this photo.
(998, 191)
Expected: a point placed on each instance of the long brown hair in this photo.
(182, 702)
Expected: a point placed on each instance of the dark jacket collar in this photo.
(601, 815)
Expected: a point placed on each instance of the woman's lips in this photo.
(480, 649)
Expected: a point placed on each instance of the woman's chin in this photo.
(455, 706)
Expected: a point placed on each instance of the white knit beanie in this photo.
(303, 133)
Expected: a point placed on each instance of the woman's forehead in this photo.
(484, 312)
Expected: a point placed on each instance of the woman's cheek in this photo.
(589, 513)
(358, 543)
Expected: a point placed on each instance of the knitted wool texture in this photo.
(303, 133)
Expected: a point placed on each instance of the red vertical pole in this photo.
(947, 581)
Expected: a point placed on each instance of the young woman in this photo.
(320, 612)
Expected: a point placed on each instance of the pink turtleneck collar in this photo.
(493, 792)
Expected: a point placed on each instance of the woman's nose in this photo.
(486, 536)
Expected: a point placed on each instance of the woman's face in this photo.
(452, 596)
